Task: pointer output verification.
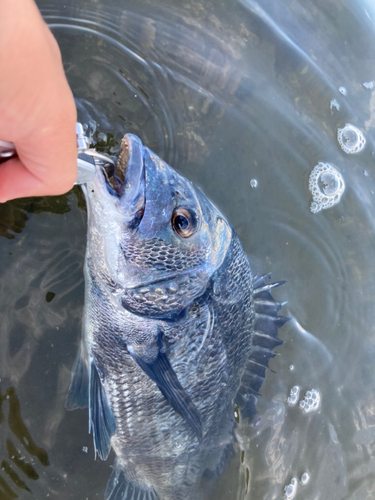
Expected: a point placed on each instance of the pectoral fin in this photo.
(155, 363)
(102, 420)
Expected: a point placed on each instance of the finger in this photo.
(16, 181)
(50, 152)
(39, 113)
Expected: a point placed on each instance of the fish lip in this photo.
(133, 194)
(128, 191)
(99, 182)
(115, 176)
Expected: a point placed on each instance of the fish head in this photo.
(152, 235)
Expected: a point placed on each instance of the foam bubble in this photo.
(294, 395)
(291, 489)
(326, 185)
(253, 183)
(305, 478)
(311, 402)
(342, 90)
(368, 85)
(334, 104)
(351, 139)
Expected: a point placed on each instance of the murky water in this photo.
(245, 99)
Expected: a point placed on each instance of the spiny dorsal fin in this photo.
(269, 324)
(265, 339)
(262, 290)
(270, 307)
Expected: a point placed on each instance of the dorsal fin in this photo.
(265, 340)
(262, 290)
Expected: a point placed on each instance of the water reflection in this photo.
(226, 93)
(13, 216)
(17, 462)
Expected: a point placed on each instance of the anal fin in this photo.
(78, 395)
(121, 488)
(102, 420)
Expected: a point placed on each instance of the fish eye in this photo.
(184, 221)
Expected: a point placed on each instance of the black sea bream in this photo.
(176, 330)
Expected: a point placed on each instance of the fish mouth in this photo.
(115, 173)
(126, 179)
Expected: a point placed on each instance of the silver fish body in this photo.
(176, 330)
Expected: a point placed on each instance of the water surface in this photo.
(227, 93)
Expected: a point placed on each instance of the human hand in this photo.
(37, 109)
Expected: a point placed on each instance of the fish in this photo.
(177, 331)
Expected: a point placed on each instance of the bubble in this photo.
(294, 395)
(311, 402)
(326, 185)
(102, 137)
(253, 183)
(368, 85)
(305, 478)
(334, 104)
(85, 449)
(291, 489)
(351, 139)
(365, 173)
(342, 90)
(291, 368)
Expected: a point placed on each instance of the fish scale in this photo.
(176, 331)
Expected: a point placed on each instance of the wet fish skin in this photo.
(168, 331)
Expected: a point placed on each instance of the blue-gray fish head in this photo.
(152, 235)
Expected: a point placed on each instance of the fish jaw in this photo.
(111, 209)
